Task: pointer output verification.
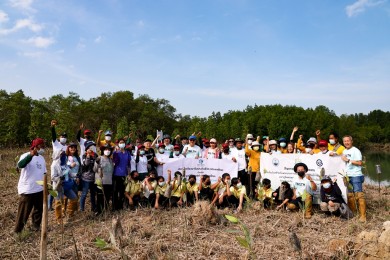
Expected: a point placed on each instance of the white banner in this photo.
(280, 167)
(198, 167)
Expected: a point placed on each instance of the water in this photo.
(372, 159)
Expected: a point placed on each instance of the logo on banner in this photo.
(200, 162)
(275, 161)
(319, 163)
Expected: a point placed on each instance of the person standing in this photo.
(87, 137)
(122, 165)
(353, 168)
(33, 167)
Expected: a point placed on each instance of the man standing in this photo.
(353, 168)
(33, 167)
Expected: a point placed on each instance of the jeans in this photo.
(87, 185)
(69, 193)
(357, 183)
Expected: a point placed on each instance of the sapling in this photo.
(246, 240)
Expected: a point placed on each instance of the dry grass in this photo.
(194, 233)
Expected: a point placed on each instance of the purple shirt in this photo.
(122, 163)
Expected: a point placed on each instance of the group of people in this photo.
(119, 174)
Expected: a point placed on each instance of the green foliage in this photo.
(100, 243)
(24, 119)
(246, 240)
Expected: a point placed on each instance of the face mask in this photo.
(141, 152)
(41, 151)
(62, 140)
(136, 178)
(227, 182)
(301, 174)
(239, 185)
(107, 138)
(122, 145)
(308, 150)
(92, 148)
(250, 142)
(156, 146)
(326, 185)
(192, 182)
(152, 179)
(324, 152)
(256, 148)
(161, 150)
(107, 152)
(283, 144)
(332, 141)
(161, 183)
(177, 153)
(87, 137)
(226, 150)
(208, 182)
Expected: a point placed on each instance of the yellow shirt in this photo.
(177, 190)
(237, 192)
(283, 150)
(254, 158)
(300, 145)
(104, 142)
(339, 150)
(263, 193)
(193, 188)
(133, 187)
(161, 189)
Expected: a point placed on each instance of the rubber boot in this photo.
(352, 202)
(362, 206)
(308, 206)
(71, 208)
(58, 210)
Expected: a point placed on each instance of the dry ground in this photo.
(184, 233)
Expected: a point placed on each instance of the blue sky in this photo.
(202, 56)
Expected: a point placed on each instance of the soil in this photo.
(199, 232)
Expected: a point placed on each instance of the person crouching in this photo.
(331, 197)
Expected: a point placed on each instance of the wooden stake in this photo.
(43, 249)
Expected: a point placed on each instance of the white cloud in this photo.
(36, 54)
(360, 6)
(40, 42)
(21, 24)
(3, 17)
(22, 4)
(98, 39)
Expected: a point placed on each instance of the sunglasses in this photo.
(192, 140)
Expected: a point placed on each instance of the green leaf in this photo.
(53, 193)
(304, 195)
(242, 241)
(100, 243)
(231, 218)
(246, 233)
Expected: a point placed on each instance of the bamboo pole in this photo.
(43, 248)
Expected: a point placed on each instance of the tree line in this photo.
(23, 118)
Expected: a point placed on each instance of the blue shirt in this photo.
(122, 163)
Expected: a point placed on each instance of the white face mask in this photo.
(161, 183)
(250, 142)
(283, 144)
(256, 148)
(107, 138)
(227, 182)
(141, 152)
(177, 153)
(239, 185)
(107, 152)
(41, 151)
(62, 140)
(161, 150)
(122, 145)
(308, 150)
(332, 141)
(326, 185)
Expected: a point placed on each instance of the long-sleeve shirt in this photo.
(334, 194)
(254, 158)
(122, 162)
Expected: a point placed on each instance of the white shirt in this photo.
(161, 158)
(240, 157)
(210, 153)
(353, 154)
(300, 185)
(82, 146)
(58, 146)
(142, 165)
(33, 172)
(168, 149)
(226, 156)
(192, 152)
